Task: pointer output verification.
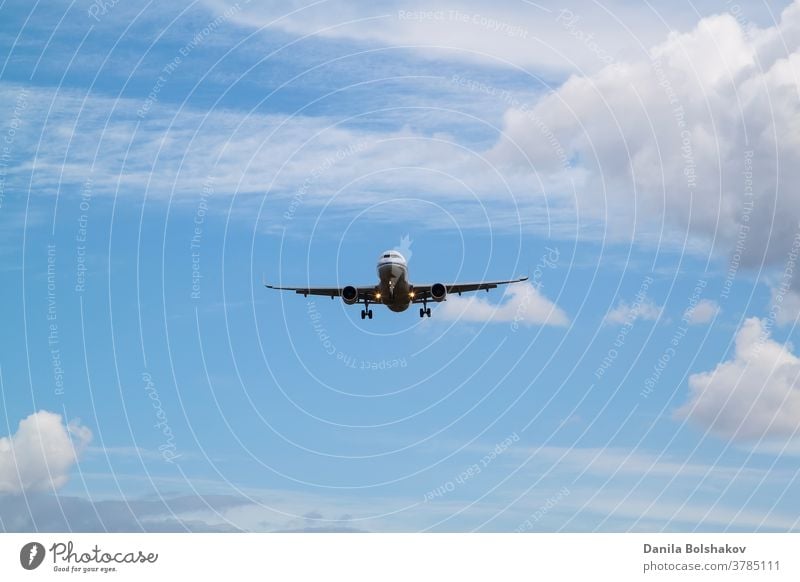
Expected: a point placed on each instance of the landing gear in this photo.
(423, 311)
(366, 312)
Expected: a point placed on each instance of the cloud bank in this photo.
(702, 135)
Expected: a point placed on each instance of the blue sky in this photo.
(159, 161)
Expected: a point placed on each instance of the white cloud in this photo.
(787, 310)
(40, 455)
(753, 396)
(702, 134)
(683, 514)
(522, 304)
(704, 311)
(298, 163)
(628, 313)
(784, 305)
(635, 158)
(612, 461)
(544, 36)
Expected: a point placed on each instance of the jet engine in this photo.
(438, 292)
(350, 295)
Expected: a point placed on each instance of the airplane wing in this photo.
(423, 292)
(366, 292)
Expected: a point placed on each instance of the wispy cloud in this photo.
(627, 313)
(703, 312)
(530, 35)
(297, 163)
(67, 513)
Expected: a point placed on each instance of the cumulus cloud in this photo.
(628, 313)
(704, 311)
(753, 396)
(702, 134)
(522, 304)
(40, 455)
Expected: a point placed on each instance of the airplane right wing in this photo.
(428, 292)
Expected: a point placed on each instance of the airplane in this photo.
(394, 290)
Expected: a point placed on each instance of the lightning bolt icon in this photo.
(34, 551)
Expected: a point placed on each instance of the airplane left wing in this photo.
(365, 293)
(427, 292)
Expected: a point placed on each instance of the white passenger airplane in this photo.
(394, 289)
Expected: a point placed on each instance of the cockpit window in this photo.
(387, 256)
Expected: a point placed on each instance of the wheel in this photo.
(369, 314)
(363, 314)
(421, 312)
(428, 312)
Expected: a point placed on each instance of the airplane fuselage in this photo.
(394, 286)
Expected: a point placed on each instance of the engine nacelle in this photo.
(438, 292)
(350, 295)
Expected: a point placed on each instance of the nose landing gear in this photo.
(424, 310)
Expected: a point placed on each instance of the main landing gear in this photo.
(424, 310)
(366, 312)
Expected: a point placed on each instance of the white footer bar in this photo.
(387, 557)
